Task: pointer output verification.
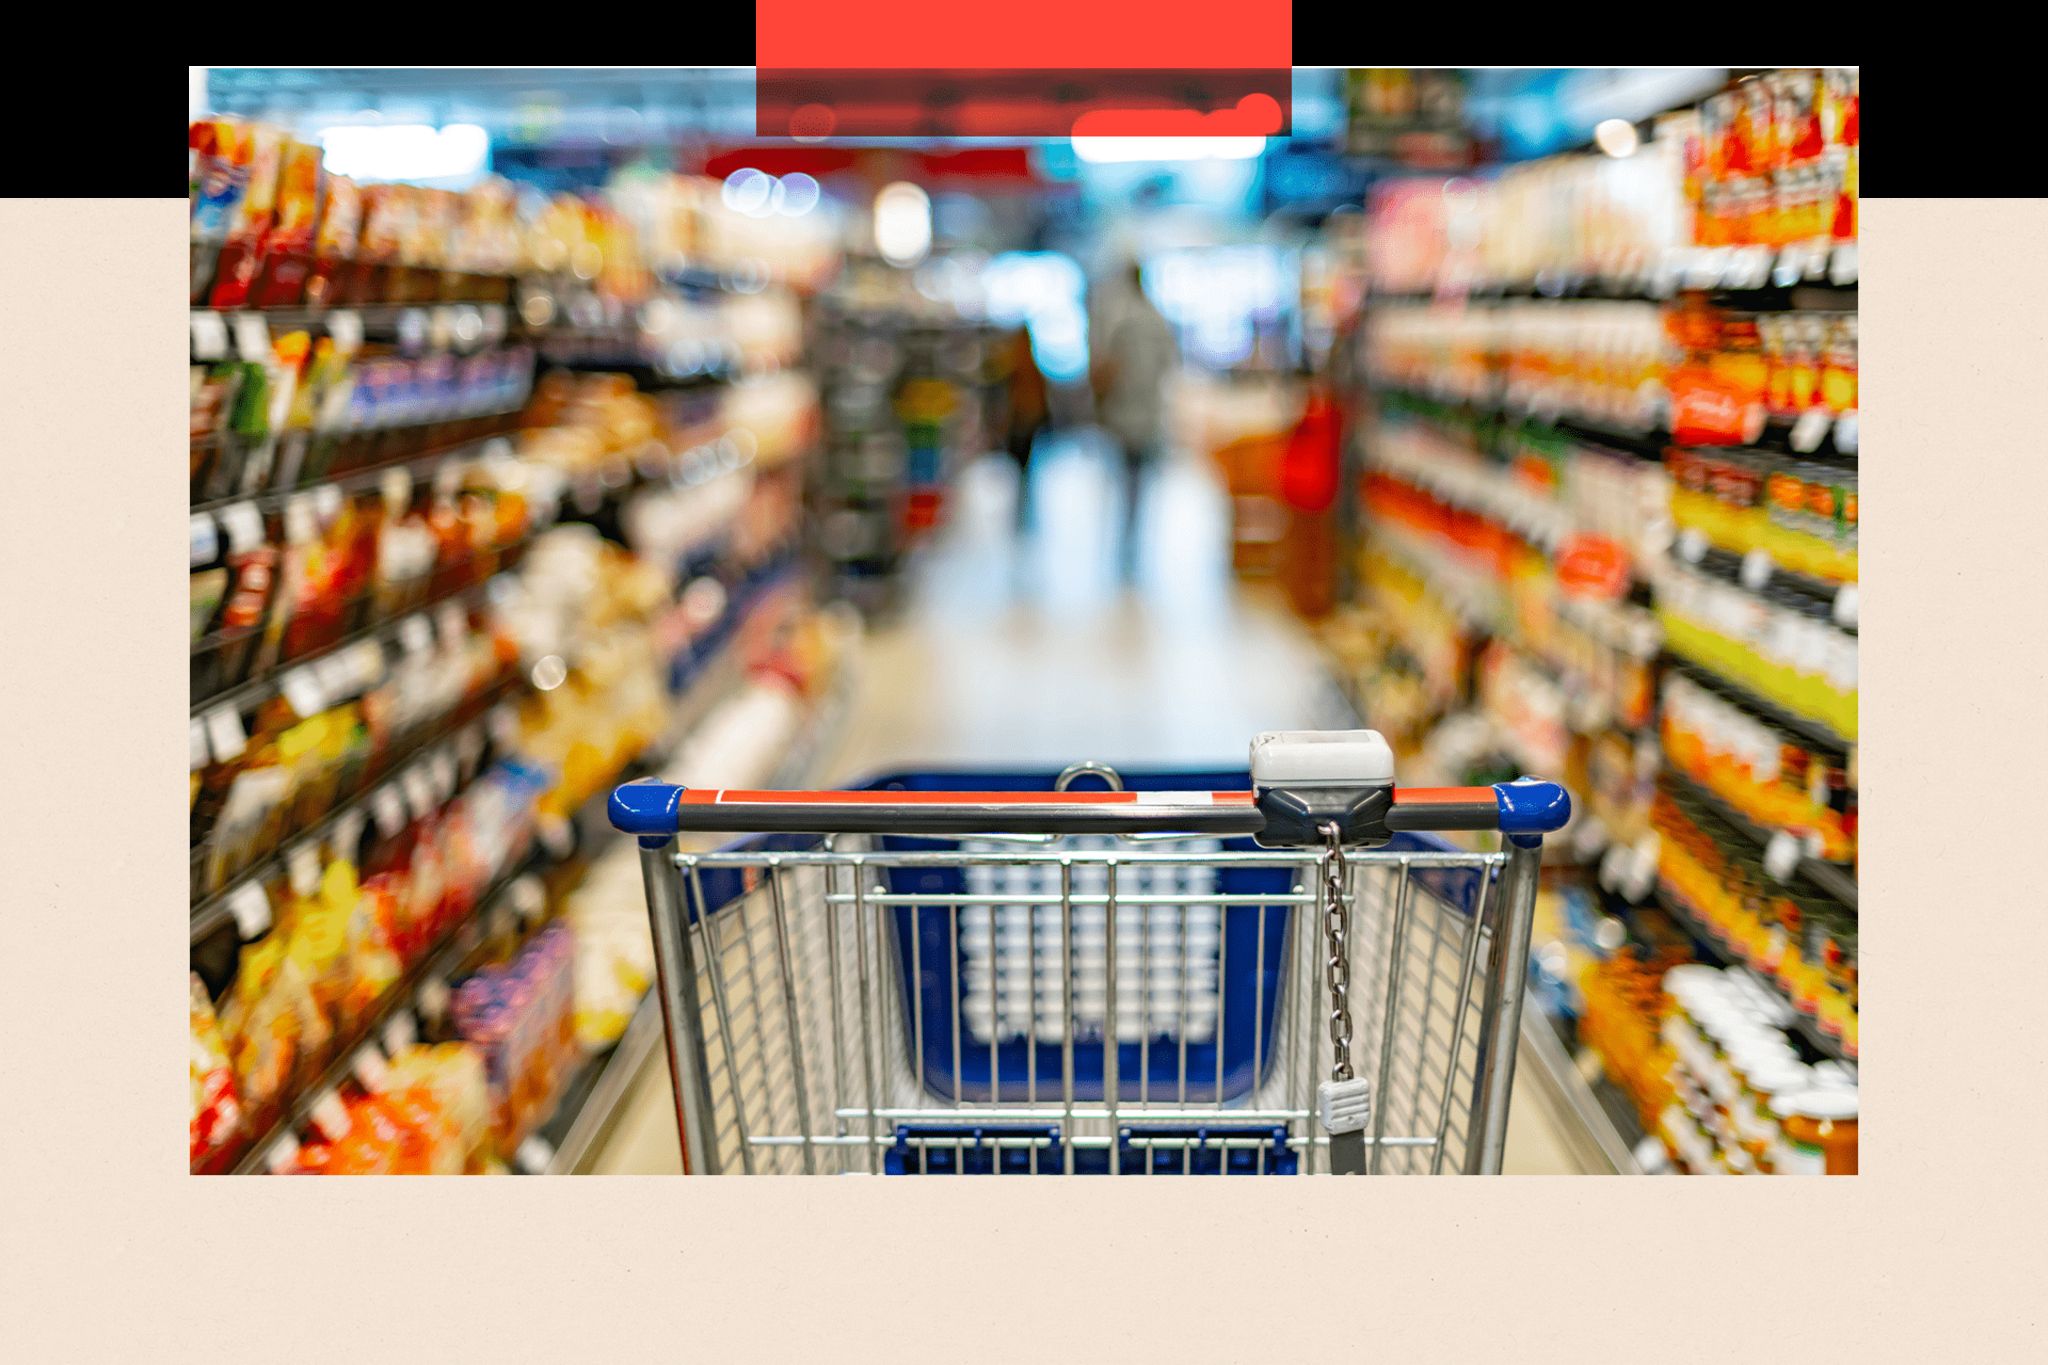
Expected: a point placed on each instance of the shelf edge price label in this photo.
(205, 539)
(1845, 432)
(433, 999)
(399, 1033)
(330, 1116)
(1847, 600)
(1781, 856)
(345, 329)
(451, 622)
(209, 335)
(445, 779)
(244, 526)
(225, 734)
(1756, 570)
(250, 907)
(388, 809)
(252, 337)
(1810, 430)
(534, 1155)
(529, 898)
(469, 747)
(283, 1155)
(348, 833)
(1843, 267)
(301, 688)
(416, 633)
(419, 791)
(303, 869)
(369, 1069)
(201, 753)
(1641, 873)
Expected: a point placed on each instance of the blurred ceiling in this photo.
(621, 106)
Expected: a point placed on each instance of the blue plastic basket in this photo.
(931, 973)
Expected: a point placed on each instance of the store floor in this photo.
(1035, 650)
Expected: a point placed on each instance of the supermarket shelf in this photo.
(590, 1105)
(264, 685)
(1730, 690)
(414, 326)
(1829, 271)
(445, 959)
(1831, 879)
(588, 1109)
(211, 913)
(370, 476)
(1602, 1128)
(1817, 595)
(1675, 906)
(1646, 443)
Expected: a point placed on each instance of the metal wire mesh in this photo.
(816, 1057)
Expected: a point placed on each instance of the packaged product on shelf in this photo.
(334, 243)
(1775, 644)
(1773, 777)
(258, 153)
(448, 1096)
(1778, 160)
(1791, 938)
(1743, 1101)
(217, 1118)
(1818, 1131)
(273, 1026)
(614, 947)
(521, 1018)
(425, 1113)
(287, 249)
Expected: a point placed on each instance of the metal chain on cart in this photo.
(1337, 967)
(1345, 1099)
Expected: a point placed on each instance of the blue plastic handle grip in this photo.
(648, 807)
(1531, 808)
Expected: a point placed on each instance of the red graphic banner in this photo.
(917, 68)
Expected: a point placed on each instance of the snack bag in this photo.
(216, 1108)
(236, 271)
(336, 278)
(372, 963)
(287, 250)
(317, 945)
(263, 1034)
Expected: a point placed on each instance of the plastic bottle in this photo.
(1819, 1131)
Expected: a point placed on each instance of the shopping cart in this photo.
(1002, 973)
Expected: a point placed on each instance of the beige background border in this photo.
(111, 1251)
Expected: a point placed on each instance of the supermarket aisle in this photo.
(1031, 651)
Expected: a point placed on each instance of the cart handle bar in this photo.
(1524, 810)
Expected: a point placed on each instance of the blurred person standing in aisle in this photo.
(1130, 354)
(1024, 393)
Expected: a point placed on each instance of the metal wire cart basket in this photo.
(1169, 973)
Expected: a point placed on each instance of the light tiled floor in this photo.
(1032, 651)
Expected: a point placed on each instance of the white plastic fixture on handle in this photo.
(1321, 758)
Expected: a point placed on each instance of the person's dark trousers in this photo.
(1019, 448)
(1137, 459)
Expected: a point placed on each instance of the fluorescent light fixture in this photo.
(903, 223)
(405, 151)
(1616, 137)
(749, 191)
(799, 194)
(1106, 150)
